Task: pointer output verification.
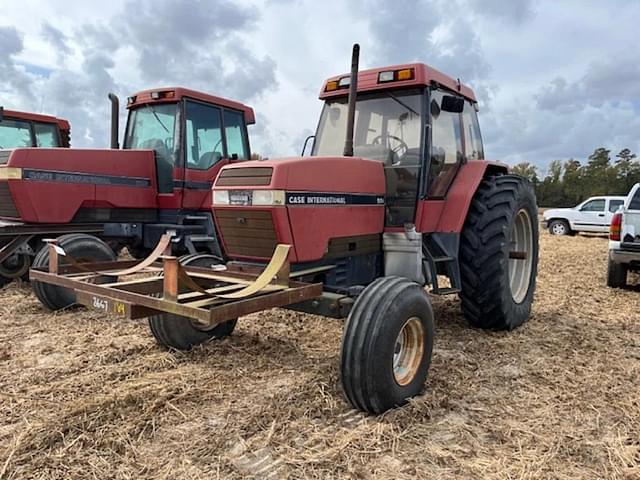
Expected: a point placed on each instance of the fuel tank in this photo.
(325, 207)
(59, 185)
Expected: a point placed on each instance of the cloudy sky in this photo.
(556, 79)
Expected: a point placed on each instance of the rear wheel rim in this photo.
(558, 228)
(408, 351)
(520, 268)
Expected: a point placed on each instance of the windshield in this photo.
(15, 133)
(153, 127)
(387, 127)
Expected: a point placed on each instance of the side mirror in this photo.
(453, 104)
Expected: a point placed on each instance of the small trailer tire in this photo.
(83, 248)
(180, 333)
(387, 345)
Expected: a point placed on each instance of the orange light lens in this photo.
(332, 85)
(170, 94)
(406, 74)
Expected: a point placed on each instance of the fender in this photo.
(448, 215)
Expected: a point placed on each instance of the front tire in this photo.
(497, 288)
(616, 275)
(559, 227)
(83, 248)
(387, 345)
(181, 333)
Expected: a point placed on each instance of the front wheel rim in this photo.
(408, 351)
(558, 229)
(521, 256)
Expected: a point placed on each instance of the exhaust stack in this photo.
(115, 119)
(353, 91)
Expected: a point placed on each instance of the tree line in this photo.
(568, 183)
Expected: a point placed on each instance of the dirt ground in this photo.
(84, 396)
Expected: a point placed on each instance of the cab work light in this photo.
(342, 82)
(396, 75)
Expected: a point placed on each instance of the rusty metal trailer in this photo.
(161, 285)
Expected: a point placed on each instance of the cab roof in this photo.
(34, 117)
(174, 94)
(423, 75)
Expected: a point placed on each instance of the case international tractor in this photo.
(176, 142)
(359, 230)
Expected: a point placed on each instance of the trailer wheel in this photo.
(499, 254)
(616, 275)
(180, 333)
(80, 246)
(16, 266)
(387, 345)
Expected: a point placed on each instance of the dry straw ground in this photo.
(83, 396)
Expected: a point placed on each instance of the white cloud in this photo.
(555, 79)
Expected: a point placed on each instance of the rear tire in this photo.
(387, 345)
(181, 333)
(617, 275)
(82, 247)
(497, 290)
(560, 227)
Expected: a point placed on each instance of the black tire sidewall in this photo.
(81, 247)
(564, 223)
(519, 312)
(410, 304)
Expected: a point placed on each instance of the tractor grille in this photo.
(7, 207)
(4, 156)
(245, 177)
(247, 233)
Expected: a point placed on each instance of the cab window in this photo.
(446, 146)
(46, 135)
(203, 135)
(596, 205)
(471, 128)
(614, 205)
(14, 133)
(234, 129)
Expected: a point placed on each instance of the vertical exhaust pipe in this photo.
(353, 91)
(115, 120)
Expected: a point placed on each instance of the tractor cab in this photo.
(192, 134)
(22, 129)
(420, 124)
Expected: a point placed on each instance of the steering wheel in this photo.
(401, 147)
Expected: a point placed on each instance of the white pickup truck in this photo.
(624, 240)
(592, 215)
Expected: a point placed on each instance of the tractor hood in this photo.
(61, 185)
(318, 205)
(309, 174)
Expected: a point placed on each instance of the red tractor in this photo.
(176, 142)
(408, 202)
(21, 129)
(360, 230)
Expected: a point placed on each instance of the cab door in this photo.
(213, 137)
(592, 216)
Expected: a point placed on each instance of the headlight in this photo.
(262, 198)
(268, 197)
(221, 197)
(10, 173)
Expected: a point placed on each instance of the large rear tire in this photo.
(616, 275)
(181, 333)
(80, 246)
(387, 345)
(497, 288)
